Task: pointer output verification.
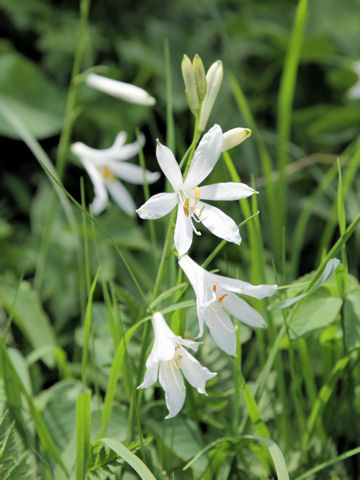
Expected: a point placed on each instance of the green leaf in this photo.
(29, 316)
(329, 269)
(129, 458)
(30, 95)
(276, 455)
(352, 320)
(318, 310)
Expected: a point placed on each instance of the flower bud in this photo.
(234, 137)
(122, 90)
(214, 78)
(190, 84)
(200, 78)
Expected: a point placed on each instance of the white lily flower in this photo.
(215, 298)
(187, 195)
(104, 165)
(122, 90)
(167, 360)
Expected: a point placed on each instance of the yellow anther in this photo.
(186, 207)
(201, 211)
(214, 288)
(107, 174)
(222, 297)
(197, 194)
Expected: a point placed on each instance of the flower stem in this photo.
(71, 98)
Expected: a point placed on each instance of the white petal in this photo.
(121, 196)
(120, 152)
(221, 329)
(117, 152)
(201, 314)
(205, 158)
(151, 374)
(132, 173)
(165, 339)
(101, 197)
(198, 278)
(219, 223)
(172, 382)
(183, 232)
(122, 90)
(226, 191)
(169, 166)
(188, 343)
(241, 310)
(244, 288)
(194, 372)
(157, 206)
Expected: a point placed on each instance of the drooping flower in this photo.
(215, 299)
(124, 91)
(167, 360)
(104, 165)
(187, 195)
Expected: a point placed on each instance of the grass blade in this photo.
(83, 431)
(129, 457)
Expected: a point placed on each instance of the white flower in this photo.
(103, 166)
(215, 297)
(122, 90)
(167, 360)
(187, 195)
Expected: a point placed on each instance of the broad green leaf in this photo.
(129, 457)
(318, 310)
(29, 316)
(30, 95)
(352, 320)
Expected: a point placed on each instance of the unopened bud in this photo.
(122, 90)
(214, 78)
(190, 84)
(200, 78)
(234, 137)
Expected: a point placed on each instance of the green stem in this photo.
(71, 98)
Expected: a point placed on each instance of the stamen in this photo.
(186, 207)
(197, 194)
(222, 297)
(201, 211)
(214, 288)
(107, 174)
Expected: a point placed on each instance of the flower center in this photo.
(190, 209)
(107, 174)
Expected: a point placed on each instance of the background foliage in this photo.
(311, 396)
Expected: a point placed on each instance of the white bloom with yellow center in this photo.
(187, 194)
(167, 360)
(215, 298)
(104, 165)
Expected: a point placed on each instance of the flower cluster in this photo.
(217, 297)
